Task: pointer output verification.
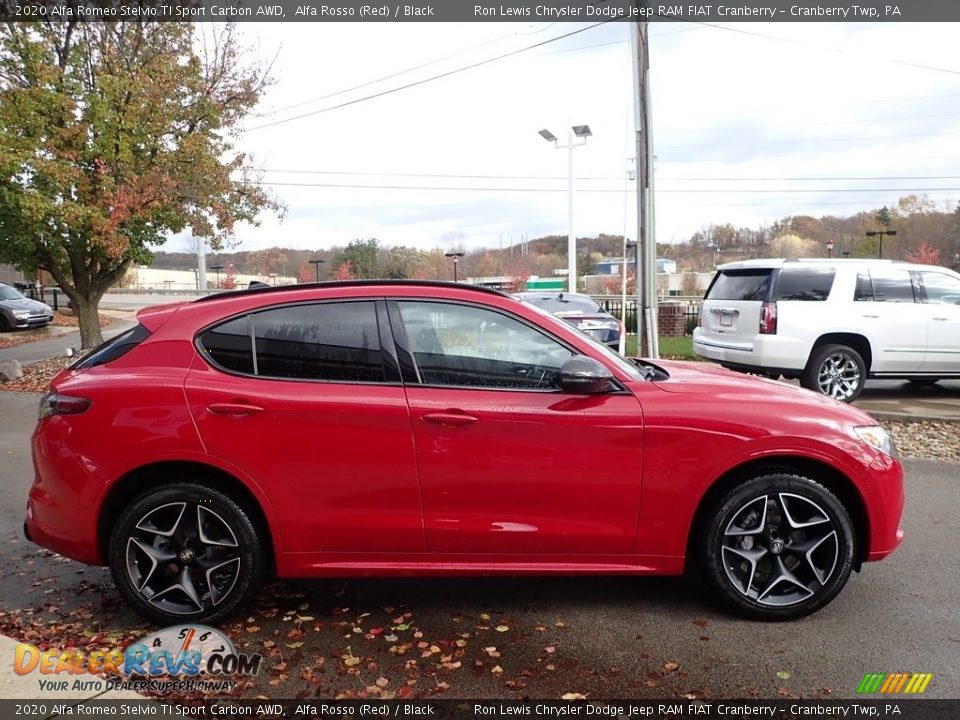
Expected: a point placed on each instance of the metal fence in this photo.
(613, 304)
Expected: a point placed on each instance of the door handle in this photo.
(449, 419)
(871, 317)
(236, 409)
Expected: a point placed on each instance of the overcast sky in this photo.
(751, 122)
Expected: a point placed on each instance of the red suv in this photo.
(416, 428)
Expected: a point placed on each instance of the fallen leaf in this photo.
(382, 682)
(496, 670)
(550, 649)
(502, 628)
(573, 696)
(294, 645)
(783, 675)
(670, 666)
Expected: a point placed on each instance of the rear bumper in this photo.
(762, 353)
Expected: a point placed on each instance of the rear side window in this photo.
(884, 286)
(330, 341)
(114, 348)
(229, 346)
(323, 341)
(741, 285)
(805, 283)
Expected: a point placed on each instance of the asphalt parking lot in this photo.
(540, 637)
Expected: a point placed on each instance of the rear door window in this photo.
(805, 283)
(752, 284)
(321, 341)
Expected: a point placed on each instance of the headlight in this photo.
(22, 314)
(877, 438)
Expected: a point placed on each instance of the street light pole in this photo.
(582, 132)
(880, 234)
(316, 262)
(217, 269)
(456, 263)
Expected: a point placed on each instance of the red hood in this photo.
(709, 379)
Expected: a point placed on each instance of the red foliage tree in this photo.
(344, 272)
(925, 254)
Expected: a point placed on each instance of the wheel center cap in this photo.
(776, 547)
(186, 556)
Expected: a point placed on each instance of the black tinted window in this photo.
(891, 286)
(114, 348)
(805, 283)
(864, 291)
(229, 345)
(326, 341)
(740, 285)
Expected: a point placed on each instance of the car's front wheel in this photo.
(837, 371)
(186, 552)
(778, 547)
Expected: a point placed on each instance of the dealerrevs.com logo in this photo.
(180, 658)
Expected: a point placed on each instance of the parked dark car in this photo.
(581, 311)
(439, 429)
(19, 311)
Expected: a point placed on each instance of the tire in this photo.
(184, 552)
(765, 572)
(4, 324)
(836, 371)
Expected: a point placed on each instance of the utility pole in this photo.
(647, 345)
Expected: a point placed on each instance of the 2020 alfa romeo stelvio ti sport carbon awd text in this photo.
(378, 428)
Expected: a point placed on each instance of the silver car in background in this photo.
(18, 311)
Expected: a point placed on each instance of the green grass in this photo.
(671, 348)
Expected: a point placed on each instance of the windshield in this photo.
(9, 293)
(564, 303)
(621, 362)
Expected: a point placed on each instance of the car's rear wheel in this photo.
(837, 371)
(184, 552)
(778, 547)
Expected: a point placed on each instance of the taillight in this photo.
(768, 319)
(54, 403)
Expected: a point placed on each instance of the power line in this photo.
(842, 51)
(597, 190)
(811, 124)
(399, 72)
(808, 140)
(602, 178)
(424, 81)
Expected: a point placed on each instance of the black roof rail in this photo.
(349, 283)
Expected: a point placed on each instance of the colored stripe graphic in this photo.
(894, 683)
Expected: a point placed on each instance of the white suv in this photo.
(833, 323)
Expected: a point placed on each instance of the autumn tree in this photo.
(112, 137)
(925, 254)
(344, 271)
(361, 256)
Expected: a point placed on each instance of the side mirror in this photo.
(584, 376)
